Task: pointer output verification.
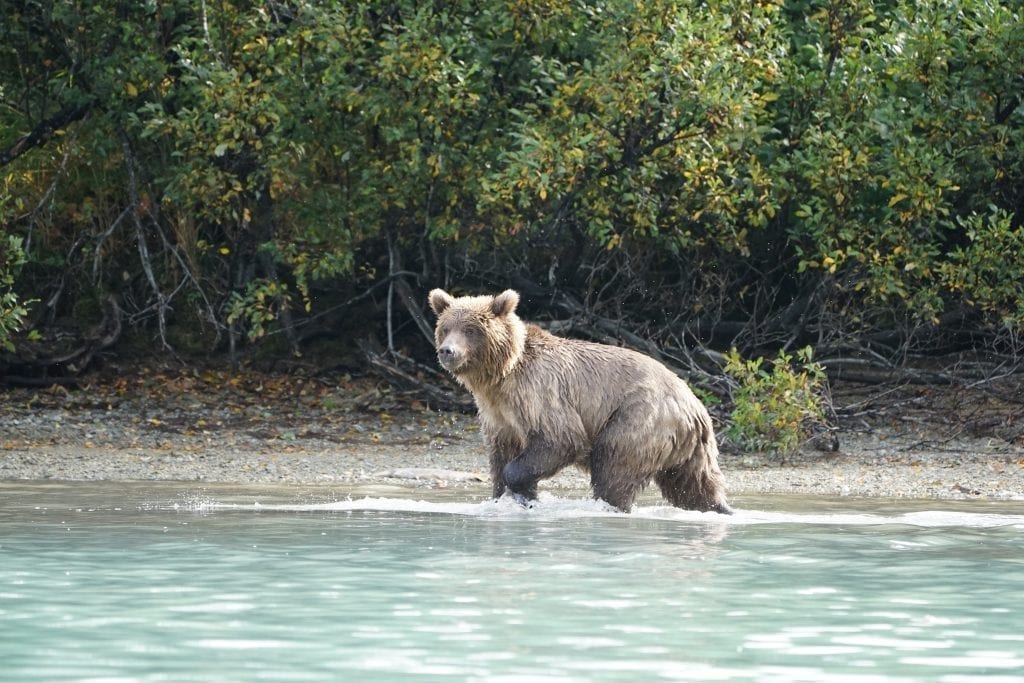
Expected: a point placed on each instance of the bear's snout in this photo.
(451, 352)
(446, 354)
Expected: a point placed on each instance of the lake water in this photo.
(110, 582)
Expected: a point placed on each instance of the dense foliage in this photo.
(762, 174)
(12, 311)
(777, 409)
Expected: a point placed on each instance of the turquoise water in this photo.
(167, 583)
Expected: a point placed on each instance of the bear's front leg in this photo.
(503, 448)
(498, 475)
(539, 460)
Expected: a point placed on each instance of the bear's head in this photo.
(479, 339)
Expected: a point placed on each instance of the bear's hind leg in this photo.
(613, 479)
(689, 486)
(613, 489)
(620, 457)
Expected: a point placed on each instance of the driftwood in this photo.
(697, 365)
(407, 374)
(865, 368)
(63, 359)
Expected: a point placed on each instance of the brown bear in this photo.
(546, 402)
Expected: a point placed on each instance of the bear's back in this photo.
(592, 380)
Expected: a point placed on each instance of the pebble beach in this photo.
(156, 434)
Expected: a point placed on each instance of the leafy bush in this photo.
(258, 307)
(776, 408)
(12, 311)
(989, 268)
(743, 171)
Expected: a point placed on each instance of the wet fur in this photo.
(546, 402)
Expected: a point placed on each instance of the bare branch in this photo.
(43, 132)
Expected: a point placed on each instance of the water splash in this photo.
(553, 507)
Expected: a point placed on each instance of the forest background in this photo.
(835, 185)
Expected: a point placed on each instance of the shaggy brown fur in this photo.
(547, 402)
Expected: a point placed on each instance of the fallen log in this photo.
(63, 358)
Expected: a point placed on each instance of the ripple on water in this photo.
(379, 589)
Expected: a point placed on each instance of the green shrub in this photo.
(258, 307)
(775, 408)
(12, 311)
(713, 161)
(988, 270)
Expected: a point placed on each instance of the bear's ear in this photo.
(440, 300)
(505, 303)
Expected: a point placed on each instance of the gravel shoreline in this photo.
(199, 438)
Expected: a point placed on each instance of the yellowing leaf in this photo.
(224, 251)
(897, 198)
